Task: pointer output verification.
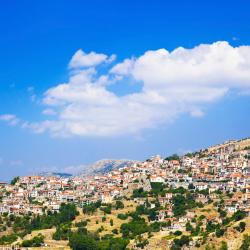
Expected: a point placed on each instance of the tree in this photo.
(106, 209)
(223, 246)
(179, 208)
(211, 227)
(8, 239)
(179, 243)
(122, 216)
(14, 180)
(245, 243)
(178, 233)
(219, 232)
(134, 227)
(141, 242)
(82, 242)
(168, 224)
(114, 244)
(119, 205)
(139, 193)
(189, 227)
(155, 226)
(91, 208)
(111, 222)
(152, 214)
(172, 157)
(62, 232)
(68, 212)
(37, 241)
(157, 188)
(191, 186)
(239, 215)
(223, 213)
(241, 227)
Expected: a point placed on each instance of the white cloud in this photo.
(196, 113)
(81, 59)
(123, 68)
(10, 119)
(49, 111)
(173, 83)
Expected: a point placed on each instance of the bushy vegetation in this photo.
(182, 203)
(8, 239)
(122, 216)
(179, 243)
(241, 227)
(106, 209)
(80, 241)
(158, 188)
(62, 232)
(67, 213)
(172, 157)
(245, 243)
(139, 193)
(141, 242)
(14, 180)
(239, 215)
(135, 227)
(37, 241)
(91, 208)
(23, 225)
(119, 205)
(223, 246)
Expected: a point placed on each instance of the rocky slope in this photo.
(104, 166)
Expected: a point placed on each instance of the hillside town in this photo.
(209, 174)
(224, 167)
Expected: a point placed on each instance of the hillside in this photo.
(200, 200)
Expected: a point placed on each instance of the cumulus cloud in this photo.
(49, 111)
(173, 83)
(123, 68)
(81, 59)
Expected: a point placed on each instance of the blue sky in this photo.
(38, 42)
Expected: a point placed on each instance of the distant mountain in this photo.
(56, 174)
(104, 166)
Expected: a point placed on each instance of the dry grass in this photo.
(232, 237)
(129, 206)
(158, 241)
(51, 244)
(208, 211)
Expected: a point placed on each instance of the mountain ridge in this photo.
(104, 166)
